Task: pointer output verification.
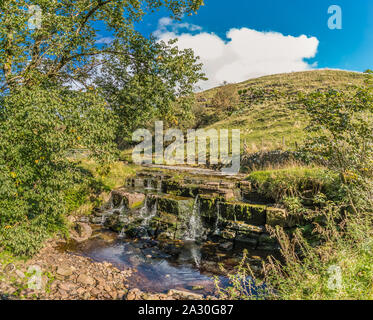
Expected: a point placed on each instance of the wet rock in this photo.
(116, 221)
(138, 232)
(81, 232)
(228, 234)
(247, 213)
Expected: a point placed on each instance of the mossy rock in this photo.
(208, 206)
(175, 205)
(248, 213)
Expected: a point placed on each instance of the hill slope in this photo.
(264, 116)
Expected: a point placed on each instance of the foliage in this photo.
(42, 119)
(37, 128)
(340, 267)
(64, 45)
(340, 134)
(242, 283)
(156, 81)
(226, 98)
(339, 264)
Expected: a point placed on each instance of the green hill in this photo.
(264, 112)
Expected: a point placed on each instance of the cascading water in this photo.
(112, 209)
(148, 184)
(195, 224)
(216, 228)
(148, 214)
(103, 218)
(122, 233)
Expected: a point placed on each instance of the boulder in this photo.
(86, 280)
(128, 199)
(64, 271)
(81, 232)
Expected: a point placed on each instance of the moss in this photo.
(208, 206)
(137, 205)
(248, 213)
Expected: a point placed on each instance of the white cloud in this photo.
(167, 24)
(247, 53)
(104, 40)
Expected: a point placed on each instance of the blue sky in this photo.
(350, 48)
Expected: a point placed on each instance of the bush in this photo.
(226, 99)
(37, 129)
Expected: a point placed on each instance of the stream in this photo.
(164, 265)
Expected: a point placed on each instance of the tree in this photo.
(42, 118)
(340, 136)
(64, 46)
(158, 83)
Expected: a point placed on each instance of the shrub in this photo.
(226, 98)
(339, 267)
(37, 129)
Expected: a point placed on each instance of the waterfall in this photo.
(103, 219)
(148, 216)
(148, 184)
(216, 228)
(122, 233)
(144, 209)
(111, 209)
(195, 223)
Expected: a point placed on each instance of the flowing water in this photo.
(147, 214)
(162, 266)
(195, 224)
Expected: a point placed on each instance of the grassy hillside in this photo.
(263, 115)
